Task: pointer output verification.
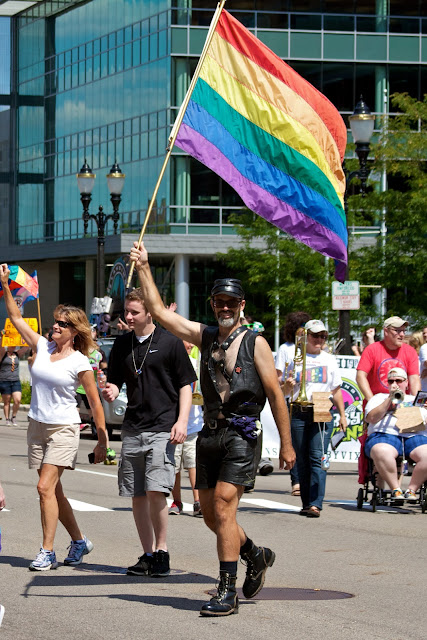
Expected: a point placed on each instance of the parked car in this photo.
(114, 411)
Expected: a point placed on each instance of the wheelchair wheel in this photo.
(360, 498)
(374, 500)
(423, 501)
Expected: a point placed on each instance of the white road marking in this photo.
(271, 504)
(368, 506)
(77, 505)
(98, 473)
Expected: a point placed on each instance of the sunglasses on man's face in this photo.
(399, 381)
(62, 324)
(230, 304)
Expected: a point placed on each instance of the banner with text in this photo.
(11, 337)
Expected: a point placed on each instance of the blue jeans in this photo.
(307, 442)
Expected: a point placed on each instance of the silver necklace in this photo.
(138, 371)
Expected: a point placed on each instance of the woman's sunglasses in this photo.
(62, 324)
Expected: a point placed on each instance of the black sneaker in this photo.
(142, 567)
(258, 559)
(160, 567)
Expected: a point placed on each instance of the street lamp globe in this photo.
(115, 180)
(86, 179)
(362, 123)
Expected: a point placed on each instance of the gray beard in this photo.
(226, 322)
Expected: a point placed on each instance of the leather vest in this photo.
(247, 395)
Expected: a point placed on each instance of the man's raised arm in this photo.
(173, 322)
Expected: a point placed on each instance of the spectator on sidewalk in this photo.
(10, 383)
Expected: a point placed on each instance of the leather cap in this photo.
(230, 286)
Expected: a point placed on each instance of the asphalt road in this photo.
(350, 574)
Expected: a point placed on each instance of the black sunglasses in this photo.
(62, 324)
(230, 304)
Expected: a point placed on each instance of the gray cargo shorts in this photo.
(146, 464)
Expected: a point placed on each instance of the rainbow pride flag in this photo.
(19, 278)
(272, 136)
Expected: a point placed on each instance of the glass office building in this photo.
(102, 80)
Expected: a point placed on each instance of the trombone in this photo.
(301, 358)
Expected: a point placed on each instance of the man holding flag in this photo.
(237, 373)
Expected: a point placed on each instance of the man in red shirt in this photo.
(378, 358)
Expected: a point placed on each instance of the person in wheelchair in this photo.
(385, 443)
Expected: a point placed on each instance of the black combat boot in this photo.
(225, 601)
(257, 560)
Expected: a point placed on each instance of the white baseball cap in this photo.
(315, 326)
(397, 372)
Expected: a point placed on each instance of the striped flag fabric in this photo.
(272, 136)
(19, 278)
(22, 295)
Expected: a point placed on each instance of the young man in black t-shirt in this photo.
(158, 373)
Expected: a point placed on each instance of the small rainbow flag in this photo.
(23, 294)
(272, 136)
(19, 278)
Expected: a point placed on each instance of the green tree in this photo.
(281, 270)
(399, 264)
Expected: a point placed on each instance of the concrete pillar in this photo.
(182, 284)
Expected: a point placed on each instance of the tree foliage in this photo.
(275, 268)
(400, 263)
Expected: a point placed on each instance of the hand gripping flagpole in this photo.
(177, 124)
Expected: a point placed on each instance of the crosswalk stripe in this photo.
(271, 504)
(77, 505)
(98, 473)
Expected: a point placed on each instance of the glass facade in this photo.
(97, 89)
(5, 125)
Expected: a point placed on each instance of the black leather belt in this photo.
(302, 408)
(219, 423)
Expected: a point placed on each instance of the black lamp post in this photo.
(362, 127)
(86, 181)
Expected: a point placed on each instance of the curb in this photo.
(22, 407)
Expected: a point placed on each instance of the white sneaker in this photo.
(44, 561)
(411, 496)
(1, 613)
